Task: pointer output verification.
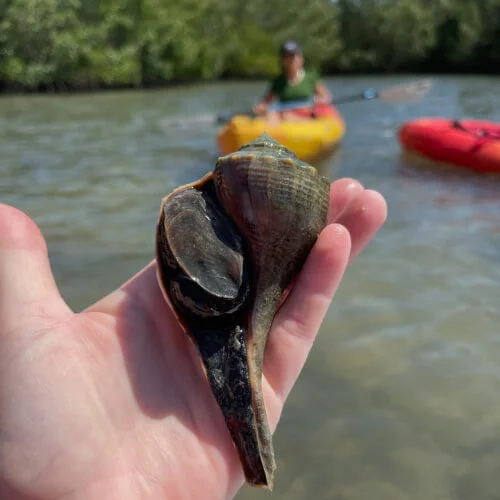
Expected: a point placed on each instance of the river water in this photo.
(399, 399)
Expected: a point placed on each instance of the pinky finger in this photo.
(363, 217)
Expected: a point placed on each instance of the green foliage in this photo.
(39, 40)
(93, 43)
(253, 52)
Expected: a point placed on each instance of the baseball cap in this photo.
(290, 47)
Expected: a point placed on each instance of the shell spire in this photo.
(267, 145)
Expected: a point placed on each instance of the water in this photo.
(399, 398)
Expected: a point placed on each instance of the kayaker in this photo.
(294, 83)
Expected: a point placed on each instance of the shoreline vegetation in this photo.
(56, 46)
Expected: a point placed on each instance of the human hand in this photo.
(323, 99)
(261, 108)
(111, 403)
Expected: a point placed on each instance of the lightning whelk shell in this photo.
(227, 247)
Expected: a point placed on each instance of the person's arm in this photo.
(272, 93)
(322, 94)
(262, 106)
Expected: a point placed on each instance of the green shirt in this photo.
(301, 91)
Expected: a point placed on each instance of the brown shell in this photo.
(227, 248)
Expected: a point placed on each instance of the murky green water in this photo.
(400, 398)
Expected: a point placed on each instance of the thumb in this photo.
(27, 286)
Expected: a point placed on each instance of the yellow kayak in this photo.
(310, 139)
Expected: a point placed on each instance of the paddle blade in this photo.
(405, 93)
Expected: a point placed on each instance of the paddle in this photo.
(400, 93)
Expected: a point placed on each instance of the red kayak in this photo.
(472, 144)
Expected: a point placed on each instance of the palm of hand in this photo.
(112, 402)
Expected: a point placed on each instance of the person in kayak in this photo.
(295, 84)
